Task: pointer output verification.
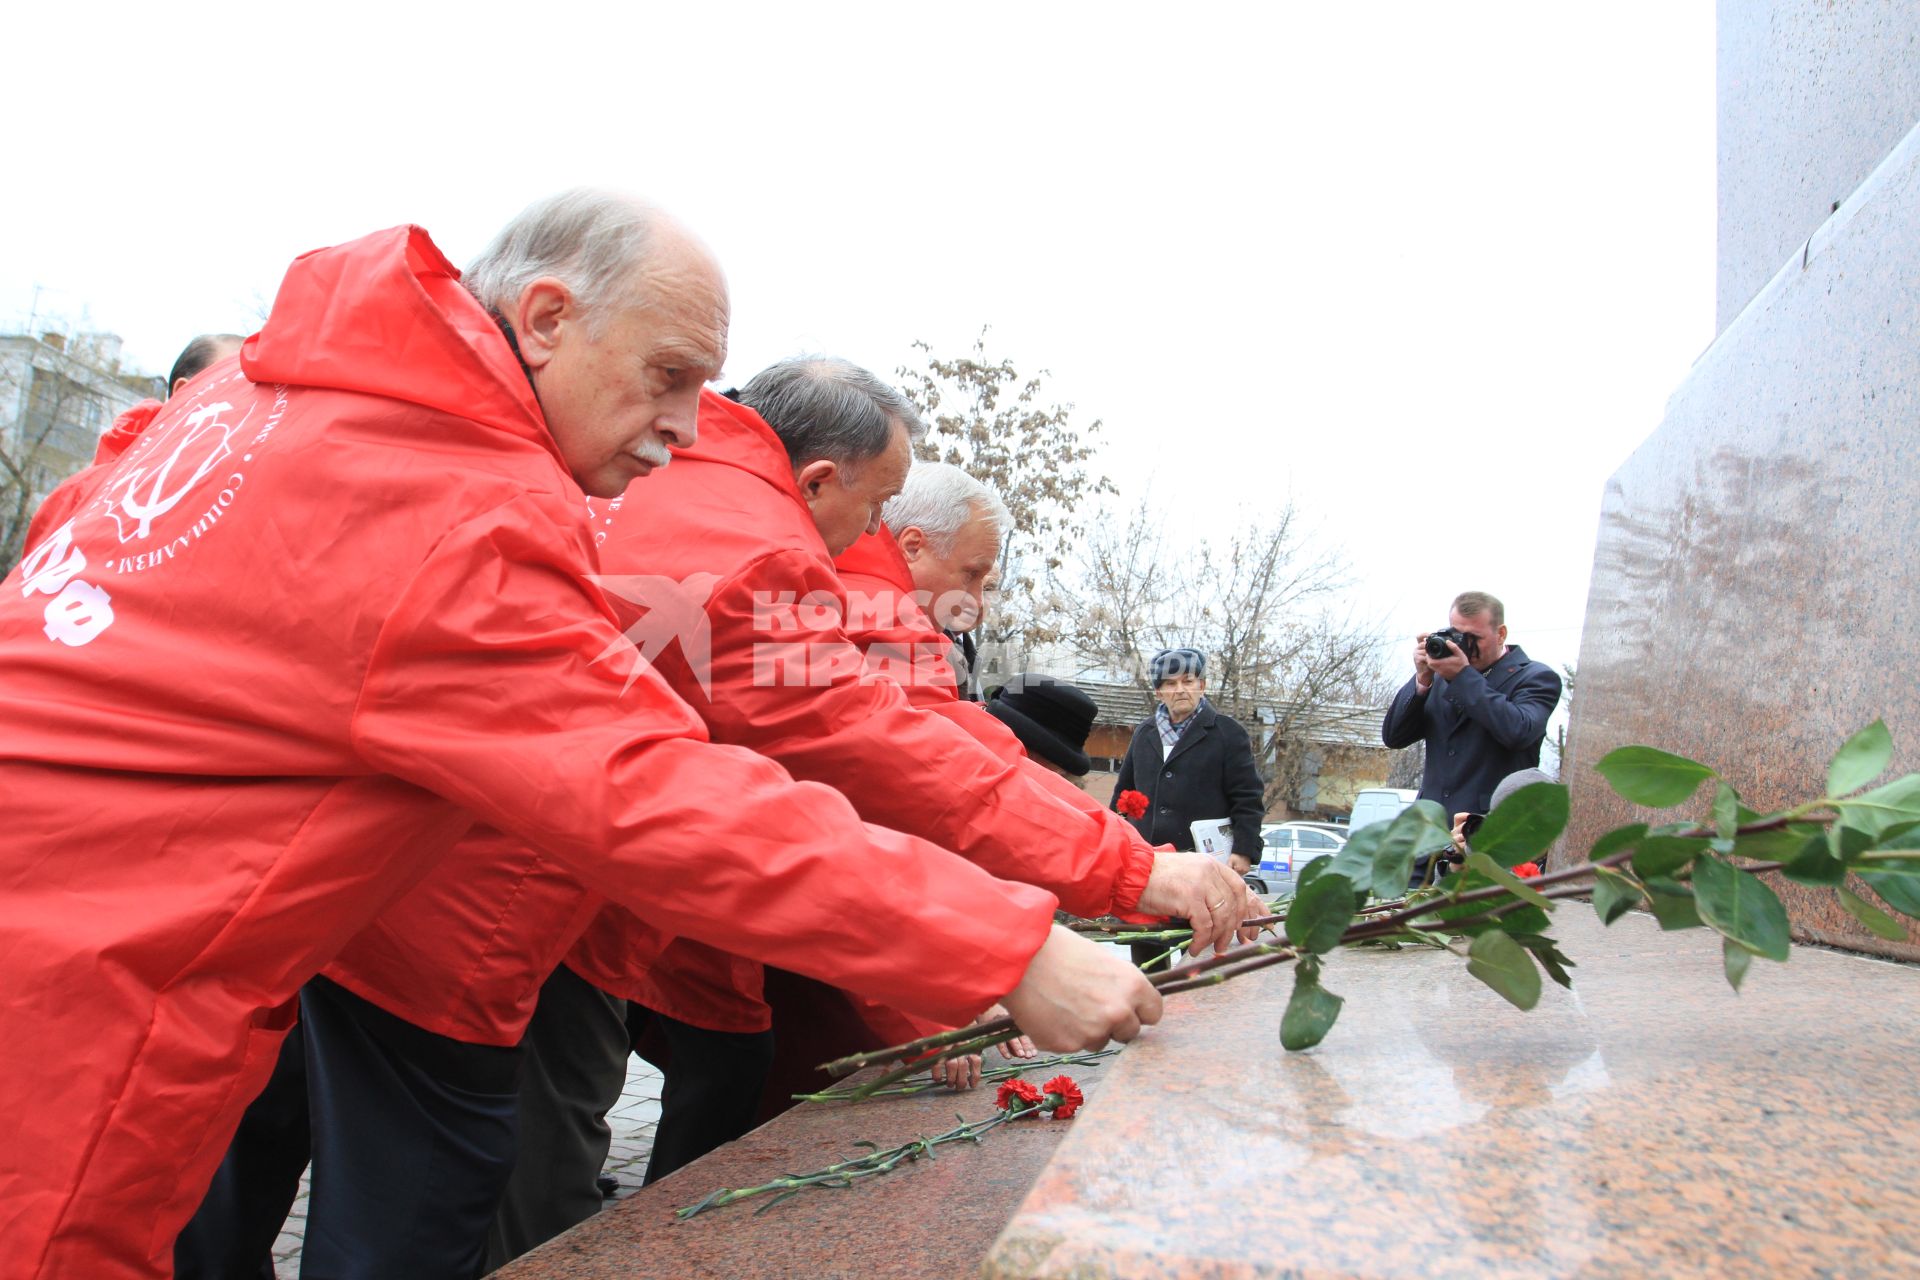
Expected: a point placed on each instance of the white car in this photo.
(1287, 846)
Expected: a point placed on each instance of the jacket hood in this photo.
(386, 315)
(732, 435)
(125, 430)
(877, 555)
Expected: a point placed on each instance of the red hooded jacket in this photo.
(71, 494)
(774, 669)
(311, 623)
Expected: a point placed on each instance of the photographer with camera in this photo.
(1480, 704)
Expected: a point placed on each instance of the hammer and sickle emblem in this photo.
(149, 492)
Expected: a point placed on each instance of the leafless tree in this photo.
(50, 436)
(1285, 660)
(984, 416)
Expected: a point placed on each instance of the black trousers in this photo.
(576, 1065)
(712, 1091)
(231, 1235)
(412, 1138)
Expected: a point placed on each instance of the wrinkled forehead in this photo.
(687, 310)
(979, 537)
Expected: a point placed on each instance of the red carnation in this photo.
(1067, 1094)
(1016, 1096)
(1131, 804)
(1527, 870)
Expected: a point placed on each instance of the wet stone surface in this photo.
(1651, 1122)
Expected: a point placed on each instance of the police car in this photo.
(1286, 846)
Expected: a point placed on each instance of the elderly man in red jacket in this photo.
(328, 609)
(781, 481)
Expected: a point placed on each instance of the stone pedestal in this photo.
(1812, 96)
(1756, 586)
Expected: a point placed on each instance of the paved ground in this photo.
(633, 1122)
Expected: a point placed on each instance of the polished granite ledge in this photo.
(933, 1218)
(1648, 1123)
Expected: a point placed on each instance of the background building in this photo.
(58, 395)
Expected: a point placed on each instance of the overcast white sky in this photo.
(1429, 270)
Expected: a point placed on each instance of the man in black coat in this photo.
(1192, 763)
(1483, 709)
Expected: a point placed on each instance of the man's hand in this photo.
(958, 1073)
(1449, 667)
(1422, 665)
(1239, 863)
(1078, 995)
(1200, 891)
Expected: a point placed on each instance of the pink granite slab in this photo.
(932, 1218)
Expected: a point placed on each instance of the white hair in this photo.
(938, 499)
(587, 237)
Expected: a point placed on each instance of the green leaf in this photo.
(1617, 839)
(1524, 825)
(1846, 842)
(1649, 776)
(1613, 894)
(1355, 858)
(1877, 921)
(1548, 954)
(1512, 883)
(1311, 1009)
(1902, 893)
(1672, 904)
(1740, 907)
(1736, 958)
(1506, 966)
(1726, 817)
(1780, 844)
(1420, 828)
(1883, 807)
(1663, 855)
(1897, 836)
(784, 1195)
(1320, 913)
(1815, 864)
(1311, 872)
(1860, 760)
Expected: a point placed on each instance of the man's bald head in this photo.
(612, 250)
(620, 315)
(207, 349)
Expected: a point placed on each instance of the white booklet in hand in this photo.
(1214, 836)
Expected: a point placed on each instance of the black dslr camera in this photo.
(1437, 643)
